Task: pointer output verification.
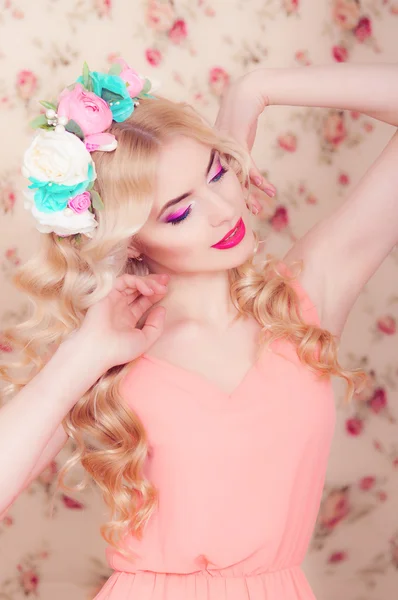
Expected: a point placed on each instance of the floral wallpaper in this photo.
(50, 547)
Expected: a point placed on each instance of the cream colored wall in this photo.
(314, 157)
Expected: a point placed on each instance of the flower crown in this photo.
(58, 163)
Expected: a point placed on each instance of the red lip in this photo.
(239, 230)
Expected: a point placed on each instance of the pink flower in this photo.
(153, 56)
(71, 502)
(103, 7)
(8, 521)
(334, 508)
(178, 32)
(366, 483)
(387, 324)
(344, 179)
(29, 581)
(26, 84)
(340, 54)
(160, 15)
(311, 199)
(218, 80)
(346, 13)
(80, 203)
(302, 57)
(291, 6)
(354, 426)
(378, 400)
(288, 142)
(4, 345)
(279, 220)
(12, 256)
(131, 77)
(47, 476)
(89, 111)
(334, 130)
(337, 557)
(363, 30)
(7, 198)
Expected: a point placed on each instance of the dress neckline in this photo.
(189, 378)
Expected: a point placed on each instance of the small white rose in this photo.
(60, 157)
(63, 222)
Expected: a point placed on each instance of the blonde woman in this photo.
(195, 383)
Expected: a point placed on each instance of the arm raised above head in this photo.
(343, 251)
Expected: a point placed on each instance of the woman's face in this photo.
(198, 201)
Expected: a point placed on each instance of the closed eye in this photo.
(181, 217)
(220, 174)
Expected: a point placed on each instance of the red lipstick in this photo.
(233, 237)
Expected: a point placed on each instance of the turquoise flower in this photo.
(113, 90)
(52, 197)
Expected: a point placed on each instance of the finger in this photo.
(156, 286)
(141, 305)
(128, 282)
(254, 205)
(261, 182)
(131, 278)
(153, 325)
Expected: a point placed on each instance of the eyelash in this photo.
(184, 215)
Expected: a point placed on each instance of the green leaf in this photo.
(109, 96)
(47, 127)
(38, 121)
(116, 69)
(91, 185)
(48, 104)
(147, 87)
(96, 200)
(75, 128)
(87, 83)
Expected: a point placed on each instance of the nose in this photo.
(221, 210)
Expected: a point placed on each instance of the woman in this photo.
(207, 433)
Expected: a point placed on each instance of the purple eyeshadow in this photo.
(175, 215)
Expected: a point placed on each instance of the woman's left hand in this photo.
(240, 108)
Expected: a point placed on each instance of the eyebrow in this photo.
(183, 196)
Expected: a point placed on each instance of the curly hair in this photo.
(69, 275)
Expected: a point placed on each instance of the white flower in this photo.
(62, 222)
(60, 157)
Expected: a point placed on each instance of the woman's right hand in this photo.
(110, 325)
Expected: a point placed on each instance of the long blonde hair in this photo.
(68, 275)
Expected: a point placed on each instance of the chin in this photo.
(241, 253)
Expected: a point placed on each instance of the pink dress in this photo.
(240, 479)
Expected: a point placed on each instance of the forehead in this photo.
(182, 163)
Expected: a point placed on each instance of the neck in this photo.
(201, 298)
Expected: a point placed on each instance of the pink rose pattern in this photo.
(162, 33)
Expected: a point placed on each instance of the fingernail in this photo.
(257, 180)
(255, 210)
(270, 192)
